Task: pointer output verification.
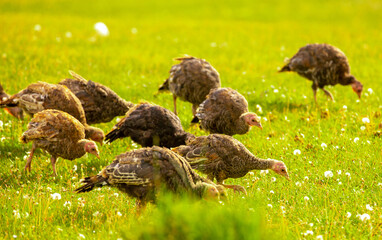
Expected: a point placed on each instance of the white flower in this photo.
(251, 174)
(263, 172)
(271, 192)
(356, 139)
(306, 198)
(298, 184)
(95, 214)
(116, 194)
(134, 30)
(296, 152)
(56, 196)
(339, 172)
(363, 217)
(323, 145)
(74, 168)
(265, 119)
(339, 183)
(270, 205)
(342, 129)
(1, 124)
(213, 44)
(308, 232)
(49, 189)
(119, 214)
(67, 204)
(276, 91)
(68, 34)
(347, 174)
(368, 207)
(365, 120)
(37, 27)
(345, 107)
(370, 90)
(320, 237)
(273, 179)
(328, 174)
(362, 128)
(306, 178)
(82, 236)
(348, 214)
(101, 29)
(16, 213)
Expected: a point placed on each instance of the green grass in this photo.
(246, 41)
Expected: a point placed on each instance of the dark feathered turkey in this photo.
(149, 125)
(58, 133)
(140, 172)
(226, 111)
(324, 65)
(40, 96)
(99, 102)
(191, 80)
(221, 157)
(14, 111)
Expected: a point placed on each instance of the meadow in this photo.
(333, 150)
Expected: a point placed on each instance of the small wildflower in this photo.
(370, 90)
(345, 107)
(74, 168)
(68, 34)
(67, 204)
(273, 179)
(263, 172)
(26, 215)
(251, 174)
(363, 128)
(82, 236)
(363, 217)
(320, 237)
(272, 192)
(323, 145)
(356, 140)
(328, 174)
(270, 205)
(339, 183)
(134, 30)
(306, 198)
(119, 214)
(348, 214)
(342, 129)
(102, 30)
(339, 172)
(265, 119)
(116, 194)
(213, 44)
(306, 178)
(297, 152)
(16, 213)
(368, 207)
(298, 184)
(56, 196)
(365, 120)
(308, 232)
(14, 236)
(275, 90)
(95, 214)
(37, 27)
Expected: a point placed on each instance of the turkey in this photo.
(221, 157)
(58, 133)
(149, 125)
(191, 80)
(139, 173)
(14, 111)
(324, 65)
(40, 96)
(99, 102)
(226, 111)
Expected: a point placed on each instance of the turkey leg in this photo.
(174, 97)
(328, 94)
(29, 160)
(53, 161)
(235, 188)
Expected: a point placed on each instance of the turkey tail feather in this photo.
(286, 68)
(90, 183)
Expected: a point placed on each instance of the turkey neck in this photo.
(255, 163)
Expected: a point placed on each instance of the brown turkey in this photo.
(221, 157)
(149, 125)
(139, 173)
(58, 133)
(100, 103)
(14, 111)
(191, 80)
(324, 65)
(40, 96)
(226, 111)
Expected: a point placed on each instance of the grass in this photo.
(246, 41)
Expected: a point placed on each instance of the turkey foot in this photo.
(235, 188)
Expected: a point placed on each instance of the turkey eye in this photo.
(282, 170)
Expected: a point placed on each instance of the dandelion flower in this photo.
(308, 232)
(119, 214)
(263, 172)
(270, 205)
(14, 236)
(306, 198)
(323, 145)
(320, 237)
(339, 172)
(297, 152)
(82, 236)
(365, 120)
(364, 217)
(101, 29)
(348, 214)
(356, 140)
(16, 213)
(272, 192)
(273, 179)
(368, 207)
(67, 204)
(116, 194)
(56, 196)
(345, 107)
(328, 174)
(134, 30)
(298, 184)
(370, 90)
(362, 128)
(37, 27)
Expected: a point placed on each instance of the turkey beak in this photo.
(15, 111)
(359, 94)
(287, 176)
(97, 155)
(258, 124)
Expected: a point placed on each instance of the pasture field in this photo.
(246, 41)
